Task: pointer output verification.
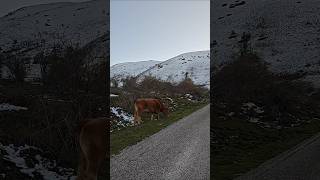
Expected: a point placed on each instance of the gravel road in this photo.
(180, 151)
(300, 163)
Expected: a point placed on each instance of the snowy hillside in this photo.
(29, 30)
(194, 65)
(131, 69)
(285, 33)
(54, 23)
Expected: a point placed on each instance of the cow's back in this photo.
(148, 104)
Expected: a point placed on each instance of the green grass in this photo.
(133, 134)
(251, 145)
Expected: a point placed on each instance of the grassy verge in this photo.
(131, 135)
(290, 111)
(249, 145)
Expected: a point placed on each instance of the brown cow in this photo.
(93, 147)
(148, 105)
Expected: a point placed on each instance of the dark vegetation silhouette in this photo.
(71, 88)
(288, 107)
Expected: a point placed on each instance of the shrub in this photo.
(156, 86)
(65, 70)
(41, 59)
(16, 65)
(130, 83)
(95, 78)
(247, 79)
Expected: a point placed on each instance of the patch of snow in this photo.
(114, 95)
(251, 106)
(9, 107)
(231, 114)
(120, 113)
(188, 96)
(17, 155)
(254, 120)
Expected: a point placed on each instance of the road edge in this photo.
(279, 158)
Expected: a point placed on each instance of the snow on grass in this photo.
(114, 95)
(253, 112)
(120, 118)
(251, 106)
(9, 107)
(120, 113)
(20, 154)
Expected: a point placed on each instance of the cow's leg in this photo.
(139, 116)
(136, 115)
(82, 166)
(135, 118)
(158, 116)
(140, 119)
(94, 160)
(151, 117)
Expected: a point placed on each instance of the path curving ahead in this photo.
(180, 151)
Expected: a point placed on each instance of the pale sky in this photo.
(7, 6)
(157, 29)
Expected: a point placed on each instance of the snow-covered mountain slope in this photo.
(285, 33)
(194, 65)
(130, 69)
(54, 23)
(32, 29)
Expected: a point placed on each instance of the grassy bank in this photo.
(284, 112)
(246, 145)
(133, 134)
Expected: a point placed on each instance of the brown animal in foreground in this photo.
(151, 105)
(93, 147)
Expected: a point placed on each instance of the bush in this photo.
(130, 83)
(247, 79)
(187, 86)
(156, 86)
(95, 78)
(42, 60)
(17, 66)
(65, 70)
